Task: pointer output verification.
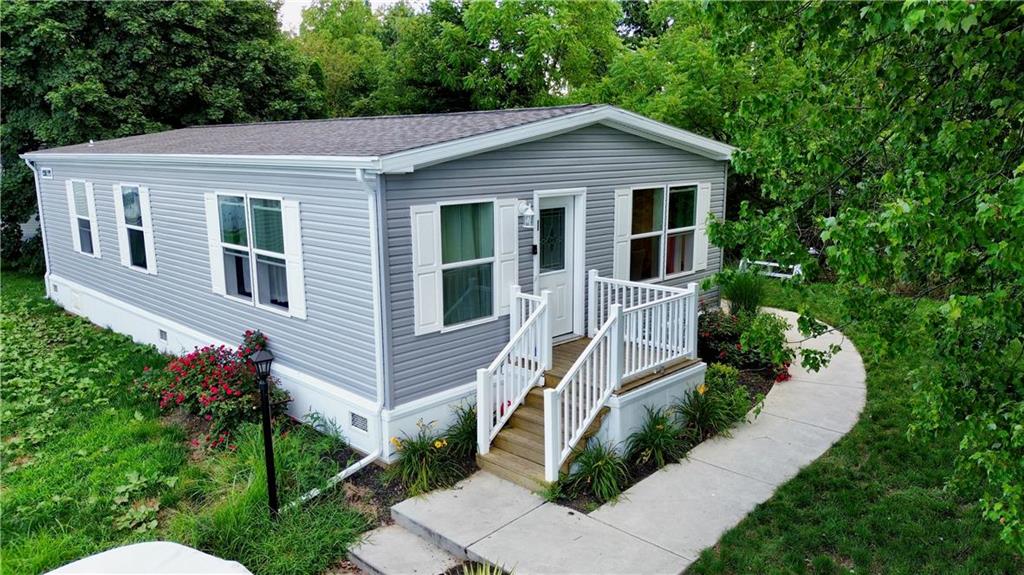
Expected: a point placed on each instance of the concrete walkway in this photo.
(659, 525)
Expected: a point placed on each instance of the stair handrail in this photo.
(502, 386)
(573, 405)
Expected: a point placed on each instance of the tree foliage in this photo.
(75, 71)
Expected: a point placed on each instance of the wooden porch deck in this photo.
(565, 354)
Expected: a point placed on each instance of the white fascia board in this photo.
(286, 161)
(408, 161)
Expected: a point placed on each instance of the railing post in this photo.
(552, 443)
(592, 303)
(515, 313)
(483, 411)
(545, 331)
(691, 320)
(616, 362)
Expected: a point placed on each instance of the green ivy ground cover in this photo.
(88, 464)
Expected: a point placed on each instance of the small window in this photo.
(252, 241)
(664, 224)
(134, 228)
(83, 218)
(467, 262)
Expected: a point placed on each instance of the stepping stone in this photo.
(556, 539)
(393, 550)
(474, 508)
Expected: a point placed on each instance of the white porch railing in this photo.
(636, 328)
(502, 386)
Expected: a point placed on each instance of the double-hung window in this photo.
(467, 262)
(82, 209)
(255, 253)
(134, 227)
(661, 231)
(464, 262)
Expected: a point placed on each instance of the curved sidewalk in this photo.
(686, 507)
(661, 524)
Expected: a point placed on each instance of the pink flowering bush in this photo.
(217, 384)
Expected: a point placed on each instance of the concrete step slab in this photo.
(456, 518)
(393, 550)
(770, 448)
(685, 507)
(556, 539)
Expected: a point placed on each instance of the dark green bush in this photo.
(659, 440)
(599, 471)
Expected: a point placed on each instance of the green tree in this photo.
(342, 37)
(74, 71)
(896, 138)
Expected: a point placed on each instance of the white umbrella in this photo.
(161, 557)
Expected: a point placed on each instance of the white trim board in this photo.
(410, 160)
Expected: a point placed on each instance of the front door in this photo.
(555, 252)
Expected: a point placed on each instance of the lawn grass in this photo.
(876, 501)
(88, 463)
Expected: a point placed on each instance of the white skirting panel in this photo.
(309, 394)
(437, 411)
(627, 412)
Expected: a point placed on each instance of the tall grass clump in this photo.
(598, 471)
(228, 509)
(745, 290)
(462, 433)
(659, 441)
(425, 461)
(715, 405)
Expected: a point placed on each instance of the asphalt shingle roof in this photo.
(371, 136)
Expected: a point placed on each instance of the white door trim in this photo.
(579, 259)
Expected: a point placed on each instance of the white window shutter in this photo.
(293, 254)
(122, 231)
(700, 237)
(92, 218)
(147, 225)
(622, 230)
(213, 239)
(507, 251)
(75, 240)
(426, 268)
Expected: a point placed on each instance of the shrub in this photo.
(659, 440)
(425, 461)
(765, 336)
(715, 405)
(744, 290)
(599, 471)
(216, 383)
(462, 434)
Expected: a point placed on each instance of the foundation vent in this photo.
(163, 335)
(359, 422)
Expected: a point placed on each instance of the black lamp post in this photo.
(262, 359)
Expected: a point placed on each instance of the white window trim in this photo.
(493, 260)
(91, 216)
(664, 232)
(254, 251)
(146, 228)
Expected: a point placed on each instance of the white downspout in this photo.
(378, 321)
(42, 227)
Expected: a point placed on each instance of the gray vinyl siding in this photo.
(336, 341)
(597, 157)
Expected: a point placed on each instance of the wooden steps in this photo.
(517, 452)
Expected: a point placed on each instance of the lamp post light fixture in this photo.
(262, 359)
